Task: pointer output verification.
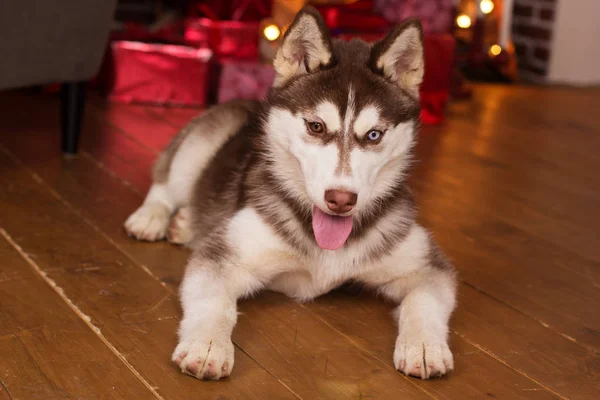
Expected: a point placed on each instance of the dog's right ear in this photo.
(306, 47)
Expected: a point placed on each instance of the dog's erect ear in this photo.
(399, 56)
(306, 47)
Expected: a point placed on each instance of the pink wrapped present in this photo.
(435, 15)
(136, 72)
(248, 80)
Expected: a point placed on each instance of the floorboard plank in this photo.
(46, 350)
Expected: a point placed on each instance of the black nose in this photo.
(340, 201)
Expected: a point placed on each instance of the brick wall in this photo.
(533, 21)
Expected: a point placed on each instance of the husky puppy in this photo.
(303, 192)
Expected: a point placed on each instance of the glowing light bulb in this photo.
(463, 21)
(486, 6)
(495, 50)
(271, 32)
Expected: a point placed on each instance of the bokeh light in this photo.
(463, 21)
(271, 32)
(486, 6)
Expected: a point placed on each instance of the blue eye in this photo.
(374, 135)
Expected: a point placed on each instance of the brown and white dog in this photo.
(303, 192)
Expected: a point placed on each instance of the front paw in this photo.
(149, 222)
(422, 355)
(204, 357)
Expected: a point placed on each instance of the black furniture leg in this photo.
(72, 101)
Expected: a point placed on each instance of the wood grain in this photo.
(46, 350)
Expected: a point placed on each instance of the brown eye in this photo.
(315, 127)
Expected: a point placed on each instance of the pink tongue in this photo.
(330, 232)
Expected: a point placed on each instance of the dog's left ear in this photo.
(399, 57)
(306, 47)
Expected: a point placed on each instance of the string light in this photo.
(495, 50)
(463, 21)
(486, 6)
(271, 32)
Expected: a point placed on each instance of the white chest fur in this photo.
(282, 268)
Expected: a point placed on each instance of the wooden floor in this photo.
(510, 185)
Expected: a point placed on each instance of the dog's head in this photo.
(342, 119)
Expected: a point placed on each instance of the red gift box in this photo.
(435, 89)
(156, 73)
(226, 38)
(244, 80)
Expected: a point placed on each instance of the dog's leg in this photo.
(422, 344)
(209, 294)
(418, 277)
(227, 265)
(177, 170)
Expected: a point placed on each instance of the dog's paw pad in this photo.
(192, 368)
(149, 222)
(180, 229)
(422, 357)
(204, 359)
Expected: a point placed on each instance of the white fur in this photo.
(366, 120)
(350, 110)
(190, 160)
(330, 114)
